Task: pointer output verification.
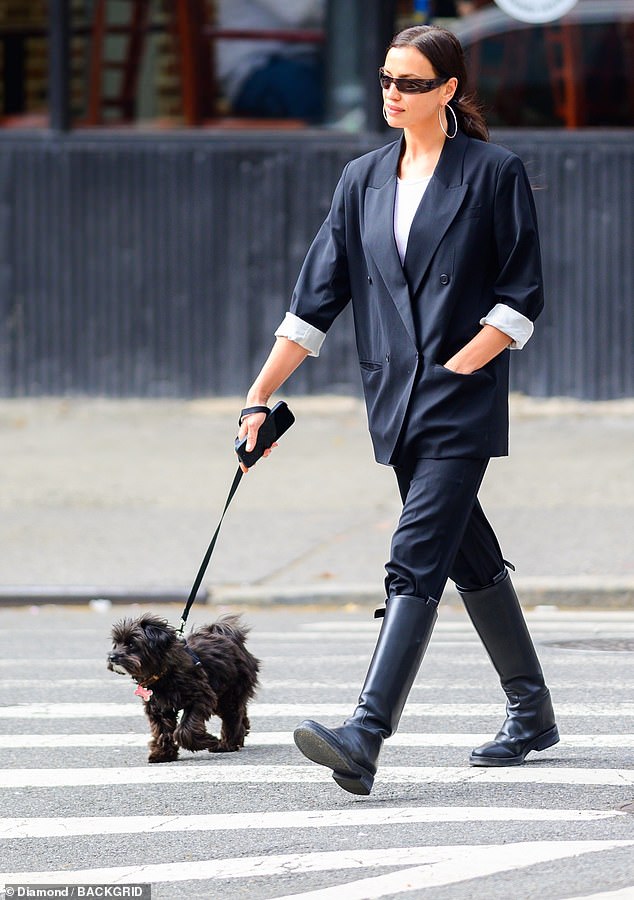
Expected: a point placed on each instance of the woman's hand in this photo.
(479, 351)
(454, 365)
(249, 427)
(283, 359)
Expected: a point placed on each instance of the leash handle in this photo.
(210, 549)
(278, 420)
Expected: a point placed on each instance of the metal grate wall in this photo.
(160, 266)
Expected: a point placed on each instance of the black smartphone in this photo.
(276, 423)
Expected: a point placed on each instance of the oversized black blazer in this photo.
(473, 243)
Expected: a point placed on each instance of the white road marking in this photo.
(285, 739)
(550, 616)
(425, 685)
(215, 772)
(476, 862)
(47, 741)
(449, 620)
(120, 684)
(625, 893)
(439, 865)
(66, 663)
(339, 818)
(302, 710)
(427, 867)
(52, 683)
(474, 655)
(541, 625)
(16, 663)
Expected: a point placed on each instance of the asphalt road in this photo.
(80, 805)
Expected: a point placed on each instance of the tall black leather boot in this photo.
(352, 750)
(530, 721)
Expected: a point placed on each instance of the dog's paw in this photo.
(163, 757)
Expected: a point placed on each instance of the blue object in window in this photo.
(421, 11)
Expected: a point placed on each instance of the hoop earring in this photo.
(384, 114)
(455, 119)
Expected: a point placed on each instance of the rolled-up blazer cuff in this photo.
(307, 336)
(511, 322)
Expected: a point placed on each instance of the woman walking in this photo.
(433, 238)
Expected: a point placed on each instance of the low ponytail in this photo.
(469, 116)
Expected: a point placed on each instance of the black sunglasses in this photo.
(410, 85)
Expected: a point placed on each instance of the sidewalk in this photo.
(118, 500)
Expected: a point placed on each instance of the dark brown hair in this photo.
(443, 50)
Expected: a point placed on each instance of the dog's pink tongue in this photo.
(143, 693)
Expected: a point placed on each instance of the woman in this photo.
(434, 240)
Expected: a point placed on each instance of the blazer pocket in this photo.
(443, 372)
(369, 365)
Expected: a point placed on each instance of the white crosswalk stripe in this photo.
(440, 865)
(462, 865)
(285, 739)
(299, 710)
(60, 756)
(218, 773)
(624, 894)
(67, 826)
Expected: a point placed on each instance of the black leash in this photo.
(277, 421)
(210, 549)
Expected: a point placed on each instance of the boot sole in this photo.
(319, 746)
(543, 742)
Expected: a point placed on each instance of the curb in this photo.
(559, 591)
(582, 592)
(74, 595)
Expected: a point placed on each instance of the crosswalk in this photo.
(81, 806)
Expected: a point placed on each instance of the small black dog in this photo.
(211, 673)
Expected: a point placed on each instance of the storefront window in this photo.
(170, 63)
(23, 63)
(300, 63)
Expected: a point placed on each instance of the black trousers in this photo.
(442, 531)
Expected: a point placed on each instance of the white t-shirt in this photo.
(409, 193)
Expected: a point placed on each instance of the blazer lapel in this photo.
(379, 235)
(437, 210)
